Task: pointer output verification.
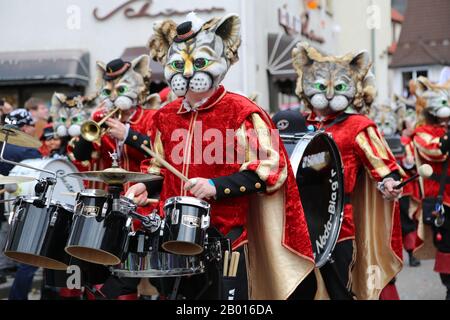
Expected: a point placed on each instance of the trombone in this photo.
(91, 130)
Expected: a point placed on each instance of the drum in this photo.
(64, 188)
(185, 223)
(145, 259)
(37, 235)
(98, 235)
(318, 169)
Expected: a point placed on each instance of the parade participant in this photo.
(336, 90)
(22, 119)
(432, 145)
(269, 229)
(39, 112)
(51, 142)
(121, 85)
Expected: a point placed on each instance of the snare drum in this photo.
(38, 235)
(99, 234)
(146, 260)
(185, 223)
(318, 169)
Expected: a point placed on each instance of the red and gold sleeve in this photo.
(153, 166)
(258, 147)
(428, 147)
(375, 154)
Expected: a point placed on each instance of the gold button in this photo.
(242, 189)
(257, 185)
(135, 138)
(145, 142)
(227, 191)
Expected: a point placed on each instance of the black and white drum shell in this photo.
(317, 165)
(146, 260)
(37, 236)
(185, 223)
(98, 235)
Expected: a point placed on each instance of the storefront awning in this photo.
(69, 67)
(157, 69)
(280, 57)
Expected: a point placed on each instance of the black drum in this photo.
(38, 235)
(184, 226)
(99, 234)
(318, 169)
(145, 259)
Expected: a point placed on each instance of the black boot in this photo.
(413, 261)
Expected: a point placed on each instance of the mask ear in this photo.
(228, 28)
(142, 65)
(58, 99)
(422, 85)
(300, 57)
(100, 72)
(162, 39)
(361, 63)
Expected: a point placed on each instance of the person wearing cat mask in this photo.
(269, 231)
(121, 85)
(431, 141)
(335, 90)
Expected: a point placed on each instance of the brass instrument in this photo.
(91, 130)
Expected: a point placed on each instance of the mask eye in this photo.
(106, 92)
(341, 87)
(62, 119)
(200, 63)
(320, 86)
(177, 65)
(76, 119)
(444, 102)
(122, 90)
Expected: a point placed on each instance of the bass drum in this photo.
(318, 169)
(65, 188)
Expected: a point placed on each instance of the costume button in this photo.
(146, 142)
(257, 185)
(135, 137)
(242, 189)
(227, 191)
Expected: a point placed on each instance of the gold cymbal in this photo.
(114, 176)
(15, 179)
(17, 137)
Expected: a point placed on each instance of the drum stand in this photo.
(43, 185)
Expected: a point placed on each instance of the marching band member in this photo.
(269, 231)
(335, 89)
(432, 144)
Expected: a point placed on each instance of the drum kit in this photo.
(97, 227)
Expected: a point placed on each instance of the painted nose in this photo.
(188, 69)
(330, 93)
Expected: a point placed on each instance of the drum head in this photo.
(93, 255)
(35, 260)
(318, 170)
(182, 248)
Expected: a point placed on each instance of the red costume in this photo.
(223, 112)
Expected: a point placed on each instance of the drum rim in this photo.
(114, 257)
(163, 245)
(98, 193)
(158, 273)
(63, 266)
(187, 200)
(323, 258)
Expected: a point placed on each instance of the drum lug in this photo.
(175, 216)
(53, 218)
(104, 209)
(205, 222)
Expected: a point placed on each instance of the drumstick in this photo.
(232, 264)
(147, 201)
(72, 194)
(236, 263)
(2, 191)
(225, 263)
(167, 165)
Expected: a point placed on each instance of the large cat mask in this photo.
(69, 112)
(333, 82)
(122, 84)
(433, 98)
(196, 55)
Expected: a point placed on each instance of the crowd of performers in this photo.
(254, 199)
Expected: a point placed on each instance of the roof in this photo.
(425, 36)
(70, 67)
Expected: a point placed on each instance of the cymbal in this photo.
(15, 179)
(18, 138)
(114, 176)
